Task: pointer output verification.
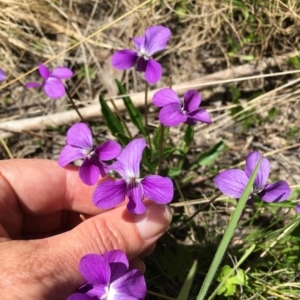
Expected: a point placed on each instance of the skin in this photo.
(43, 237)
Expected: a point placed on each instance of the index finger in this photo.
(37, 186)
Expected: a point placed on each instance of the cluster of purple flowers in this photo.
(110, 193)
(108, 276)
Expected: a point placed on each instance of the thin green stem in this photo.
(146, 115)
(74, 105)
(162, 136)
(121, 118)
(161, 147)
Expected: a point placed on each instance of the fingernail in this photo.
(154, 221)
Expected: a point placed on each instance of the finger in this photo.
(43, 187)
(137, 264)
(39, 187)
(58, 256)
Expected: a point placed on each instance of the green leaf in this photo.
(184, 292)
(173, 172)
(123, 138)
(112, 122)
(134, 114)
(188, 137)
(230, 279)
(208, 157)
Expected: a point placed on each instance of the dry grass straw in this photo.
(72, 33)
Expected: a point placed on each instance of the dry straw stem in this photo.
(93, 111)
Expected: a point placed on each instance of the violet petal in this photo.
(79, 135)
(164, 97)
(156, 39)
(44, 71)
(108, 150)
(109, 194)
(141, 64)
(124, 59)
(275, 192)
(95, 269)
(79, 296)
(172, 115)
(135, 195)
(62, 73)
(98, 290)
(128, 162)
(88, 172)
(298, 208)
(153, 71)
(69, 154)
(114, 256)
(2, 75)
(190, 121)
(264, 168)
(200, 115)
(192, 100)
(232, 182)
(30, 85)
(118, 263)
(158, 189)
(139, 42)
(54, 88)
(131, 286)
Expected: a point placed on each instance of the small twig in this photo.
(120, 117)
(74, 106)
(6, 148)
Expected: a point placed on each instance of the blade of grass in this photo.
(184, 292)
(228, 234)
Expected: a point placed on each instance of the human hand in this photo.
(42, 236)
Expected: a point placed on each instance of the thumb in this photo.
(55, 260)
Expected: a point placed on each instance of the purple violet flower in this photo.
(52, 84)
(154, 40)
(2, 75)
(109, 194)
(174, 112)
(108, 277)
(80, 146)
(298, 208)
(233, 182)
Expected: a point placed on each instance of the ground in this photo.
(227, 50)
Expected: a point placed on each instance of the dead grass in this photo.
(208, 36)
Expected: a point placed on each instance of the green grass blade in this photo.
(228, 234)
(134, 114)
(184, 293)
(112, 122)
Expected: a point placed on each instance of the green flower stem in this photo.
(74, 105)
